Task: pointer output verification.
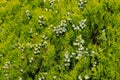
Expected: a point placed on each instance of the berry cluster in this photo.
(80, 26)
(37, 48)
(86, 77)
(67, 59)
(28, 14)
(80, 48)
(41, 21)
(21, 47)
(82, 3)
(6, 67)
(42, 44)
(61, 28)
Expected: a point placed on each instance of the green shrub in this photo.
(59, 40)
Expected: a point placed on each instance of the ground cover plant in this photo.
(59, 40)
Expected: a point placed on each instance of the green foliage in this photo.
(59, 40)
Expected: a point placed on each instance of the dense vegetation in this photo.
(59, 40)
